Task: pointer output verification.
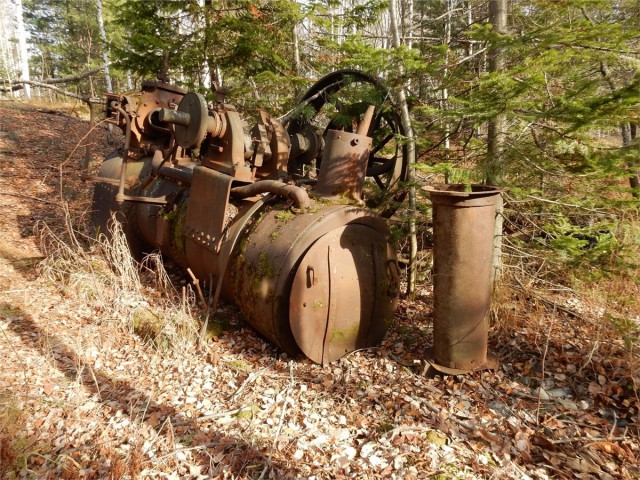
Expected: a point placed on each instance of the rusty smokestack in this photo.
(463, 230)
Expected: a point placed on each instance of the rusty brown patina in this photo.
(463, 231)
(236, 206)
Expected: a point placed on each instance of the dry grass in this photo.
(16, 447)
(74, 108)
(599, 297)
(103, 273)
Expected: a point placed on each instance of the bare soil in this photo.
(82, 396)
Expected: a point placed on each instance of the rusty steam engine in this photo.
(285, 219)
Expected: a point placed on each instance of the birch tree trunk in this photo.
(445, 91)
(6, 44)
(411, 155)
(24, 54)
(105, 54)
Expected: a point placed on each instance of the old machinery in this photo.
(282, 218)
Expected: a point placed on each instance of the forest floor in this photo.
(83, 396)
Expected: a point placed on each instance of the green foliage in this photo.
(569, 88)
(575, 244)
(63, 35)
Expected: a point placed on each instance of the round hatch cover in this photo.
(341, 298)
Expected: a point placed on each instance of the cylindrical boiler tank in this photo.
(325, 282)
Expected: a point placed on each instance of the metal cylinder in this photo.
(325, 283)
(463, 230)
(344, 165)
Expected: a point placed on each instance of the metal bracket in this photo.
(207, 208)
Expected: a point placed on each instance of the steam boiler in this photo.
(284, 218)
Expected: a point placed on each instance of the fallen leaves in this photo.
(95, 401)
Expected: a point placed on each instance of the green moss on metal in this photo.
(285, 215)
(346, 334)
(318, 304)
(176, 220)
(265, 269)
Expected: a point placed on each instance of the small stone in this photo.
(541, 394)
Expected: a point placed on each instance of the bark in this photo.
(105, 55)
(24, 54)
(296, 57)
(627, 135)
(92, 122)
(627, 130)
(296, 50)
(445, 91)
(496, 136)
(6, 46)
(497, 126)
(411, 154)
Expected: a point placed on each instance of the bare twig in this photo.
(206, 418)
(252, 377)
(544, 358)
(279, 429)
(29, 197)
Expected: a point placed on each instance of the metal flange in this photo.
(193, 133)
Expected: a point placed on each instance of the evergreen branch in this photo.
(566, 135)
(565, 204)
(624, 53)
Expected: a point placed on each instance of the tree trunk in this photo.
(496, 135)
(24, 54)
(628, 132)
(87, 151)
(497, 126)
(445, 91)
(411, 154)
(6, 46)
(105, 54)
(296, 57)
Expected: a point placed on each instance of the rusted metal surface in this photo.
(269, 278)
(205, 219)
(344, 164)
(340, 296)
(225, 200)
(463, 230)
(143, 108)
(296, 194)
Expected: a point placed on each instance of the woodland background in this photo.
(540, 96)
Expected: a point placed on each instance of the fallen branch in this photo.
(84, 98)
(19, 84)
(206, 418)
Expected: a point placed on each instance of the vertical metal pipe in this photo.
(125, 154)
(463, 229)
